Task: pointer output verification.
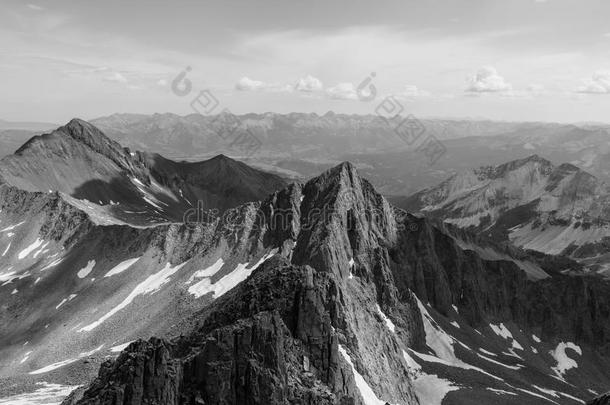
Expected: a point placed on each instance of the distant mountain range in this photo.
(529, 202)
(26, 126)
(301, 145)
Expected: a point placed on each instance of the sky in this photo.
(517, 60)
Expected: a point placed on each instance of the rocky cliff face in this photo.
(365, 304)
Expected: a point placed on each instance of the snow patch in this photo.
(86, 354)
(442, 345)
(25, 357)
(120, 348)
(564, 363)
(121, 267)
(70, 298)
(498, 363)
(227, 282)
(500, 392)
(429, 388)
(25, 252)
(10, 228)
(6, 250)
(368, 395)
(207, 272)
(84, 272)
(388, 322)
(148, 286)
(501, 331)
(52, 367)
(47, 394)
(52, 264)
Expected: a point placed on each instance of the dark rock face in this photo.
(347, 261)
(270, 341)
(601, 400)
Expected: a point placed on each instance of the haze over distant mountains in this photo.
(300, 145)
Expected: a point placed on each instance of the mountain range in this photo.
(316, 292)
(532, 203)
(300, 146)
(81, 162)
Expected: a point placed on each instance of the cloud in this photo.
(247, 84)
(487, 80)
(35, 7)
(162, 82)
(598, 84)
(115, 77)
(412, 91)
(308, 84)
(342, 91)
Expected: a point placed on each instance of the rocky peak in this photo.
(531, 163)
(341, 216)
(89, 135)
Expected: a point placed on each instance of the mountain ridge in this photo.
(81, 161)
(387, 284)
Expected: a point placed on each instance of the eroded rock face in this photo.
(270, 341)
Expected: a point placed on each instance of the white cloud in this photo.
(247, 84)
(342, 91)
(35, 7)
(598, 84)
(162, 83)
(487, 80)
(308, 84)
(412, 91)
(116, 77)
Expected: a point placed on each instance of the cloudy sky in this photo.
(545, 60)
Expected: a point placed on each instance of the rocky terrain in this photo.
(319, 293)
(363, 308)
